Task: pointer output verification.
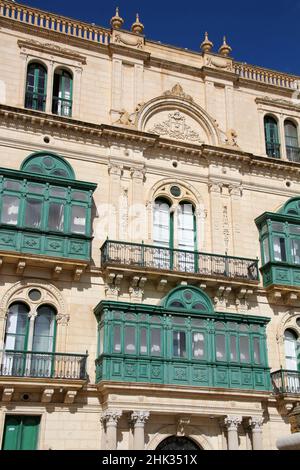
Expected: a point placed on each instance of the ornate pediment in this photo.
(177, 91)
(51, 49)
(177, 126)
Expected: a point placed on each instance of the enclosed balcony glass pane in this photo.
(295, 229)
(35, 188)
(220, 348)
(130, 317)
(101, 337)
(266, 250)
(233, 348)
(56, 216)
(155, 342)
(79, 196)
(179, 344)
(295, 250)
(198, 345)
(58, 192)
(10, 210)
(130, 340)
(197, 322)
(33, 212)
(256, 351)
(12, 185)
(44, 329)
(279, 249)
(179, 320)
(78, 220)
(277, 227)
(244, 349)
(143, 341)
(117, 338)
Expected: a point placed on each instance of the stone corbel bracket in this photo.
(222, 295)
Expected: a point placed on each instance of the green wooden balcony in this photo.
(286, 382)
(140, 255)
(43, 364)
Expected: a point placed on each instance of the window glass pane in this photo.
(179, 320)
(35, 188)
(176, 304)
(279, 249)
(200, 307)
(244, 349)
(143, 317)
(161, 223)
(155, 319)
(16, 326)
(117, 338)
(295, 229)
(143, 341)
(256, 350)
(101, 336)
(78, 219)
(185, 221)
(33, 212)
(79, 196)
(13, 185)
(179, 344)
(130, 317)
(266, 250)
(243, 327)
(56, 216)
(197, 322)
(220, 348)
(117, 315)
(295, 250)
(264, 229)
(130, 339)
(198, 345)
(219, 326)
(233, 348)
(155, 341)
(58, 192)
(10, 210)
(255, 327)
(277, 227)
(44, 329)
(232, 325)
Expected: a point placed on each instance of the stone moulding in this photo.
(52, 49)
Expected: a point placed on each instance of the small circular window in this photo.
(187, 295)
(34, 295)
(175, 191)
(48, 162)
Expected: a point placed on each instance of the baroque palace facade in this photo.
(149, 238)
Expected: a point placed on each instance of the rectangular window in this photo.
(101, 337)
(56, 216)
(58, 192)
(130, 340)
(233, 348)
(143, 341)
(198, 345)
(279, 248)
(33, 212)
(179, 344)
(256, 351)
(117, 338)
(10, 210)
(78, 219)
(244, 349)
(155, 342)
(220, 348)
(12, 185)
(266, 250)
(295, 250)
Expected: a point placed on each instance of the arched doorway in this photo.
(178, 443)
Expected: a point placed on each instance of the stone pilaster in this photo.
(49, 97)
(138, 215)
(110, 420)
(138, 419)
(231, 424)
(256, 427)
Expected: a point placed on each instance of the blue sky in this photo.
(264, 32)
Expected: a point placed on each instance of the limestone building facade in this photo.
(149, 240)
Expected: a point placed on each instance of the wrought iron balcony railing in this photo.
(43, 364)
(35, 101)
(160, 258)
(273, 149)
(293, 153)
(61, 107)
(286, 382)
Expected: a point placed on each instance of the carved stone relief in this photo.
(174, 126)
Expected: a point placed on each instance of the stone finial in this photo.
(225, 49)
(206, 45)
(137, 27)
(116, 21)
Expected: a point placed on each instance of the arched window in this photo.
(291, 346)
(291, 141)
(62, 93)
(44, 329)
(271, 137)
(186, 221)
(36, 86)
(16, 327)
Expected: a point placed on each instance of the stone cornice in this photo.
(128, 51)
(19, 117)
(52, 49)
(278, 103)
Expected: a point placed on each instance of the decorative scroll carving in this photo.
(177, 91)
(219, 63)
(139, 417)
(111, 416)
(176, 128)
(129, 41)
(232, 422)
(49, 48)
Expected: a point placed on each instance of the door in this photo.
(21, 432)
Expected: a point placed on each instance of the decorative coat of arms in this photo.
(176, 128)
